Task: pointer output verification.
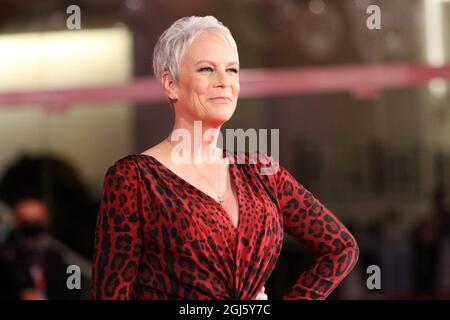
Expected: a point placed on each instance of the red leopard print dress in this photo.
(159, 237)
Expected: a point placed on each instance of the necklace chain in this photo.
(219, 198)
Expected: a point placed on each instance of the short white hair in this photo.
(174, 41)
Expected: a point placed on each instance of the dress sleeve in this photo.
(118, 235)
(312, 224)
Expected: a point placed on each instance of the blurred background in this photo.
(364, 119)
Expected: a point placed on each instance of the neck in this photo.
(197, 138)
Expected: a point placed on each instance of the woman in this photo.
(208, 229)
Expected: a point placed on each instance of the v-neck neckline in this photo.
(204, 194)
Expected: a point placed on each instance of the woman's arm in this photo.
(118, 234)
(311, 223)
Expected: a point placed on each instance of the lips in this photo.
(220, 99)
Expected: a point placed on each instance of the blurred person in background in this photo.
(396, 256)
(442, 216)
(31, 269)
(425, 256)
(5, 221)
(57, 180)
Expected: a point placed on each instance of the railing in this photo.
(363, 81)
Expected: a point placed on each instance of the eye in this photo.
(234, 70)
(205, 69)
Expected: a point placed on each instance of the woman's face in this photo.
(208, 85)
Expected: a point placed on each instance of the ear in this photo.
(170, 86)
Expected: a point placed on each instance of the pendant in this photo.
(220, 200)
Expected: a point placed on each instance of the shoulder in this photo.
(123, 168)
(252, 158)
(257, 162)
(259, 167)
(122, 181)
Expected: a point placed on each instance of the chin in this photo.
(218, 120)
(222, 118)
(221, 114)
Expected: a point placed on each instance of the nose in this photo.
(222, 80)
